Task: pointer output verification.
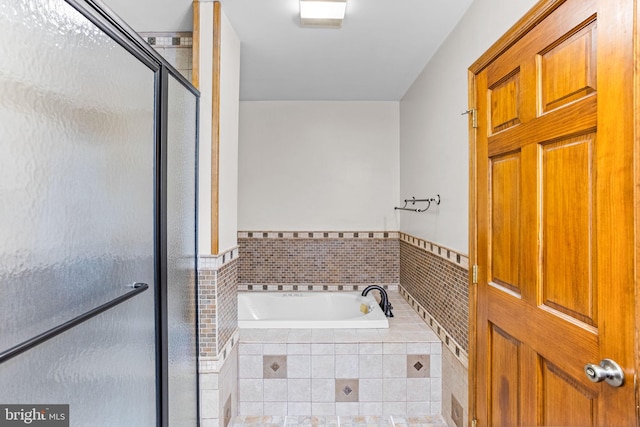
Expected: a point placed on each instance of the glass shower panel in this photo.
(181, 254)
(102, 369)
(77, 216)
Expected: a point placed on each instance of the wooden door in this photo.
(553, 218)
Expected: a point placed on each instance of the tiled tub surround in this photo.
(437, 278)
(217, 302)
(344, 372)
(218, 319)
(455, 364)
(434, 280)
(317, 259)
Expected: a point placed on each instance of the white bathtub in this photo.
(308, 310)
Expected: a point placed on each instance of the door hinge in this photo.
(474, 116)
(474, 423)
(474, 274)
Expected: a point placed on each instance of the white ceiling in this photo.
(376, 55)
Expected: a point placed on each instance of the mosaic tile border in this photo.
(441, 251)
(168, 39)
(318, 234)
(215, 262)
(455, 348)
(312, 288)
(213, 365)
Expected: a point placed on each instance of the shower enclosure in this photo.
(98, 150)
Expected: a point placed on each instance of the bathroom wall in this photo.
(218, 272)
(434, 134)
(318, 166)
(229, 117)
(434, 159)
(437, 279)
(318, 261)
(227, 181)
(433, 279)
(218, 337)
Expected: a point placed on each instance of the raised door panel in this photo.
(505, 378)
(565, 402)
(567, 282)
(505, 102)
(505, 221)
(567, 69)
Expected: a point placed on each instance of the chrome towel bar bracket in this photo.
(413, 202)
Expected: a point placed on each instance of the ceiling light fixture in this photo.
(322, 13)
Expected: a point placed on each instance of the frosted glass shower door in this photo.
(181, 254)
(77, 157)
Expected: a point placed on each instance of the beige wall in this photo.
(434, 134)
(205, 56)
(318, 166)
(228, 167)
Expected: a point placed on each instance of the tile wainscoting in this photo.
(434, 280)
(437, 279)
(217, 301)
(218, 337)
(318, 259)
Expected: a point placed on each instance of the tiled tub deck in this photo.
(342, 373)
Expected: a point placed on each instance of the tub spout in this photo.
(385, 305)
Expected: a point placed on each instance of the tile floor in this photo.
(335, 421)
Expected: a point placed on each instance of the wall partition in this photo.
(97, 225)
